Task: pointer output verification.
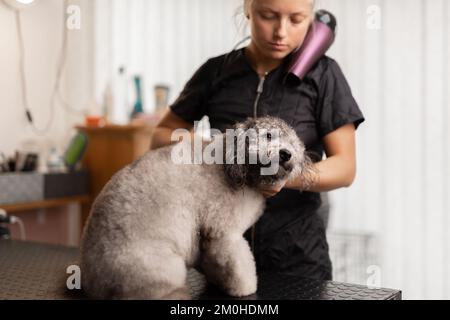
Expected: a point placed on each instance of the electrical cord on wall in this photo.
(56, 93)
(36, 130)
(61, 65)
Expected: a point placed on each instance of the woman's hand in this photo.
(269, 191)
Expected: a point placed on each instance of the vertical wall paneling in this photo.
(357, 71)
(446, 143)
(393, 126)
(152, 47)
(371, 99)
(434, 150)
(412, 155)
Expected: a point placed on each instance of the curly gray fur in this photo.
(154, 219)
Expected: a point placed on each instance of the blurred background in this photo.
(90, 65)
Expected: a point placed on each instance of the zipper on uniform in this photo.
(259, 91)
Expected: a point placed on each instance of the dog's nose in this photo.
(285, 155)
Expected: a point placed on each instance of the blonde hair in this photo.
(248, 3)
(243, 11)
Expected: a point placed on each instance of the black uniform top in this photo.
(224, 89)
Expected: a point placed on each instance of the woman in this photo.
(290, 237)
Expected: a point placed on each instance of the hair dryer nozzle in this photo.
(319, 39)
(326, 18)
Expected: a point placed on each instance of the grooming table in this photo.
(38, 271)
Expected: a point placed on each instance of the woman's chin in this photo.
(277, 55)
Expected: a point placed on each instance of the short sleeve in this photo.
(190, 104)
(336, 104)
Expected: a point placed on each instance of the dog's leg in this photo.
(229, 263)
(178, 294)
(152, 271)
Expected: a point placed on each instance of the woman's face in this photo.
(279, 26)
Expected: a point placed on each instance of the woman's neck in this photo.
(262, 65)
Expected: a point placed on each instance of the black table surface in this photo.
(38, 271)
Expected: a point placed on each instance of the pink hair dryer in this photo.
(319, 39)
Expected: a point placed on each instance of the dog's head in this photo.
(263, 151)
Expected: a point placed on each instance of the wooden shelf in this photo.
(42, 204)
(111, 148)
(111, 128)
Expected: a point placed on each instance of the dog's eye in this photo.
(269, 136)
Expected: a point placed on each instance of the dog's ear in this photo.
(248, 123)
(235, 171)
(236, 175)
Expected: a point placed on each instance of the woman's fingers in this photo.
(270, 191)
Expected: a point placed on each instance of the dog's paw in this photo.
(178, 294)
(244, 288)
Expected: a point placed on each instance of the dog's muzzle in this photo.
(285, 156)
(283, 159)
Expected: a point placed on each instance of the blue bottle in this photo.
(138, 108)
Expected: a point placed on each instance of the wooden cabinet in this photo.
(110, 148)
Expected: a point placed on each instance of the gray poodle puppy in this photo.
(156, 217)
